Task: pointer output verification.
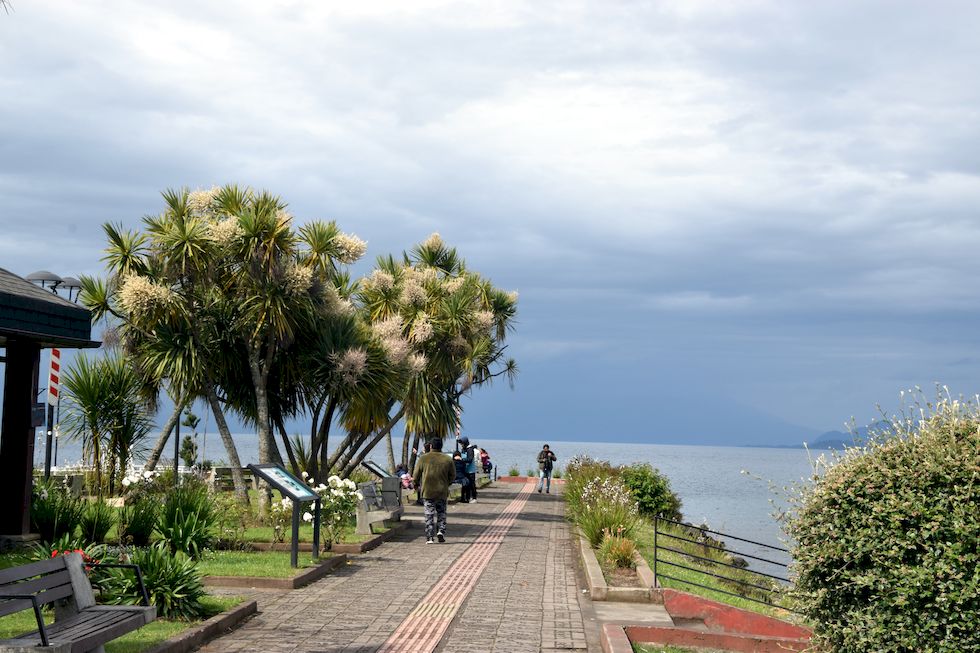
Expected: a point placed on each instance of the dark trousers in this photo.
(472, 488)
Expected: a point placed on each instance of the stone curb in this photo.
(294, 582)
(614, 640)
(724, 641)
(343, 547)
(600, 591)
(214, 627)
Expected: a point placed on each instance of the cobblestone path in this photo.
(524, 598)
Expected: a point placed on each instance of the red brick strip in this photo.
(424, 627)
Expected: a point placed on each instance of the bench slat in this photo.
(88, 629)
(48, 581)
(11, 606)
(14, 574)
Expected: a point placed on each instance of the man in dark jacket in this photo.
(434, 471)
(468, 454)
(546, 463)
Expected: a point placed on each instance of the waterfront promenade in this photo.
(504, 582)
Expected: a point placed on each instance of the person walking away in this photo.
(470, 457)
(434, 471)
(546, 463)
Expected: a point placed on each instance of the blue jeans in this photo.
(544, 475)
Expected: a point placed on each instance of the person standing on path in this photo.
(434, 471)
(546, 463)
(469, 457)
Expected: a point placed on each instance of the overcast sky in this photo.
(728, 222)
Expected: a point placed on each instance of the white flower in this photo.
(349, 483)
(307, 516)
(334, 481)
(360, 497)
(321, 487)
(44, 494)
(349, 247)
(140, 295)
(305, 475)
(126, 482)
(147, 474)
(337, 493)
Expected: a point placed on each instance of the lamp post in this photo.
(51, 281)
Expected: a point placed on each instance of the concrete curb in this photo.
(614, 640)
(599, 590)
(343, 547)
(214, 627)
(262, 582)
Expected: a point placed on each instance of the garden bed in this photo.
(601, 590)
(364, 543)
(267, 569)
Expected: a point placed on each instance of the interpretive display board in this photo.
(286, 483)
(299, 493)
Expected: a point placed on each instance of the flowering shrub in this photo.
(606, 505)
(887, 553)
(338, 505)
(280, 517)
(652, 491)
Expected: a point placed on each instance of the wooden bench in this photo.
(377, 506)
(80, 625)
(220, 479)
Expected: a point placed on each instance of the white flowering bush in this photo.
(338, 505)
(280, 518)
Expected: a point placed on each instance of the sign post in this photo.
(54, 386)
(299, 493)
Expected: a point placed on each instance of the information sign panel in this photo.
(286, 483)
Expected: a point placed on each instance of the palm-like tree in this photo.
(104, 411)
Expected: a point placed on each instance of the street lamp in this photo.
(51, 281)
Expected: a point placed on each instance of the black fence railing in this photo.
(758, 586)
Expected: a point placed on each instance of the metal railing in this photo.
(752, 580)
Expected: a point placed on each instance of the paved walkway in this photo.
(504, 581)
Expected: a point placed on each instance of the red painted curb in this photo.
(726, 641)
(614, 640)
(720, 617)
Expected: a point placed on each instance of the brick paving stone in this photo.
(525, 600)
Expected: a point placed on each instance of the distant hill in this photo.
(836, 439)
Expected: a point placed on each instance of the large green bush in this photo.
(887, 539)
(187, 519)
(652, 491)
(172, 581)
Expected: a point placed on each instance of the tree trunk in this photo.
(386, 431)
(405, 449)
(391, 452)
(322, 449)
(259, 378)
(293, 463)
(241, 493)
(168, 428)
(415, 450)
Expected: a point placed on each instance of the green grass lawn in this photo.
(268, 564)
(265, 534)
(644, 542)
(145, 638)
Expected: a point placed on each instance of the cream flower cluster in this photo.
(297, 280)
(351, 365)
(421, 328)
(413, 294)
(381, 280)
(225, 232)
(350, 248)
(140, 295)
(201, 203)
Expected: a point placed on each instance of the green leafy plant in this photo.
(513, 471)
(338, 505)
(887, 553)
(172, 581)
(652, 492)
(617, 550)
(97, 519)
(187, 519)
(556, 473)
(138, 520)
(55, 512)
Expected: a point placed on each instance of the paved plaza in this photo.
(505, 582)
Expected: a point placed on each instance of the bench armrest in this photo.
(139, 576)
(37, 613)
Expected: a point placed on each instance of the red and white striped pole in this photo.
(54, 387)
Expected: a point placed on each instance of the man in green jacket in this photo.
(434, 471)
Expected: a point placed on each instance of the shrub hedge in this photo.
(888, 539)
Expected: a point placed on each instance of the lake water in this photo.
(711, 481)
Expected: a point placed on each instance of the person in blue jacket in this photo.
(464, 481)
(468, 453)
